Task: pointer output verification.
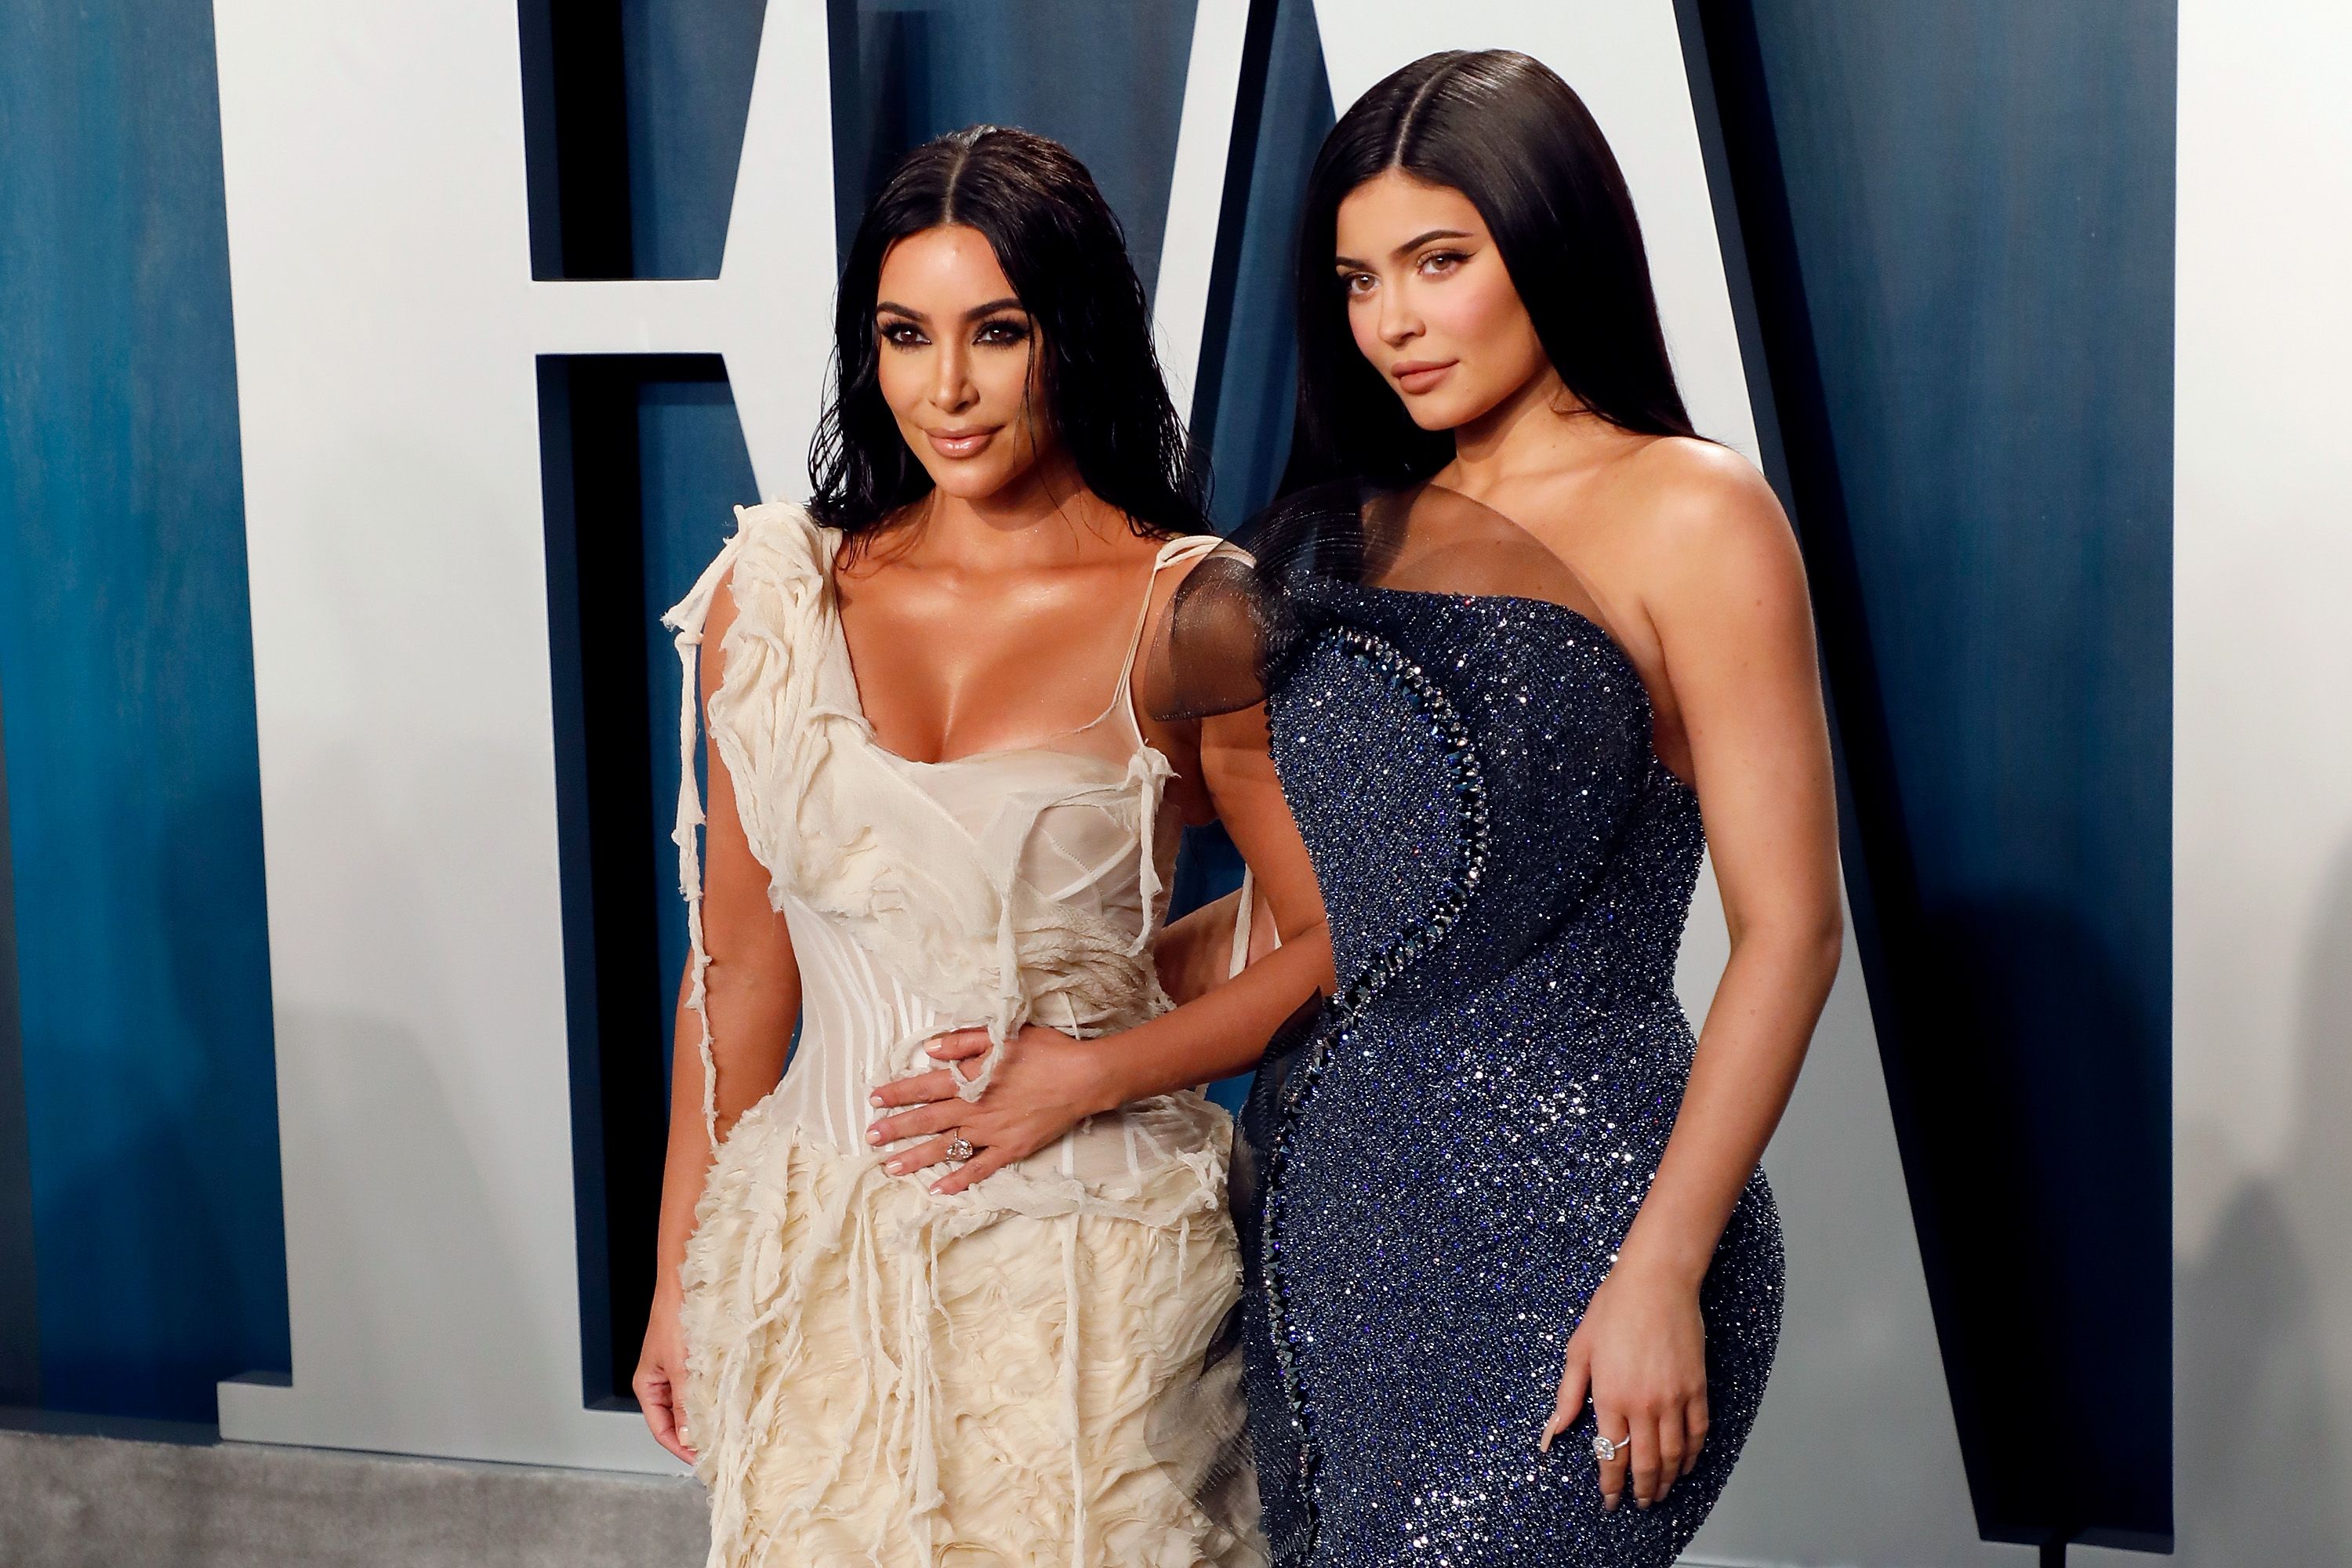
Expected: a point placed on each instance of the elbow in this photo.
(1820, 940)
(1828, 943)
(1807, 945)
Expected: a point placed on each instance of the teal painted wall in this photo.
(148, 1095)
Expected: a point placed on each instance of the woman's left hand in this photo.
(1044, 1084)
(1641, 1353)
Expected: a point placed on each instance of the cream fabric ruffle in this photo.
(879, 1377)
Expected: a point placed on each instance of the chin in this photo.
(973, 481)
(1443, 413)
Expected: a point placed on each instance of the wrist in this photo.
(1664, 1266)
(1103, 1086)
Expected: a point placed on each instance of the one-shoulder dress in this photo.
(1436, 1175)
(1026, 1373)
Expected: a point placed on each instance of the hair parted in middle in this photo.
(1509, 134)
(1063, 251)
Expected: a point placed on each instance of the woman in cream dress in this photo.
(939, 837)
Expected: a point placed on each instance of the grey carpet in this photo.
(84, 1501)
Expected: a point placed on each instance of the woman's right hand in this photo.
(660, 1380)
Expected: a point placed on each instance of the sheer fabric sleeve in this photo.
(1207, 654)
(1221, 640)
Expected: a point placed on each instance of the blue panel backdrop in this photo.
(125, 652)
(1249, 370)
(20, 1320)
(1106, 81)
(687, 73)
(642, 454)
(1959, 227)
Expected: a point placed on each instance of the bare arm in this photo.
(753, 997)
(1194, 954)
(1735, 622)
(1224, 1031)
(1727, 597)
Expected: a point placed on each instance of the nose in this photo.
(952, 389)
(1399, 322)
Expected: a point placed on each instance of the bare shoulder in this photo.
(1684, 486)
(1706, 516)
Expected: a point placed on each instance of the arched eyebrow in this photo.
(892, 306)
(1407, 249)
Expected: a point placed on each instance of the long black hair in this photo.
(1063, 252)
(1502, 128)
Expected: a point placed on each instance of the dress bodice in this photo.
(1458, 731)
(1021, 885)
(1581, 845)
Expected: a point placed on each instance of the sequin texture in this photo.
(1466, 1137)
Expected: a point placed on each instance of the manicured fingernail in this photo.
(873, 1100)
(896, 1167)
(1608, 1502)
(873, 1136)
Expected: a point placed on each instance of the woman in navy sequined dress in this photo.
(1513, 1261)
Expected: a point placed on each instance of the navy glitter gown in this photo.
(1440, 1164)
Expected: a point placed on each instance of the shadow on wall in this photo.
(408, 1283)
(2263, 1454)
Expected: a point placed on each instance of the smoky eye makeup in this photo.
(897, 331)
(1001, 332)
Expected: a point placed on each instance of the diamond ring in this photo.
(1604, 1450)
(960, 1146)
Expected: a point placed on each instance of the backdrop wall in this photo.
(1982, 497)
(142, 1124)
(2262, 774)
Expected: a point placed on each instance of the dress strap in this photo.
(1181, 551)
(1238, 959)
(1245, 927)
(1146, 767)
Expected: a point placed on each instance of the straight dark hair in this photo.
(1061, 250)
(1502, 128)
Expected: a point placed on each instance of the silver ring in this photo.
(1604, 1450)
(960, 1147)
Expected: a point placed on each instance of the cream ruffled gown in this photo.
(1028, 1373)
